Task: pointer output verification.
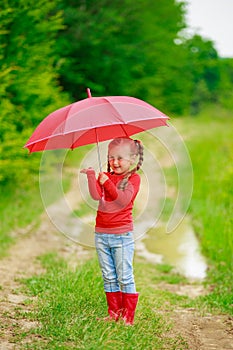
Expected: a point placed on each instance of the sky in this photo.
(213, 19)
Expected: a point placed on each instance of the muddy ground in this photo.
(207, 332)
(201, 332)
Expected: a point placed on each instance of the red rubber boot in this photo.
(129, 303)
(114, 301)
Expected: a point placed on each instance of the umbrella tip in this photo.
(88, 92)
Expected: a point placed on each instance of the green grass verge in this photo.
(210, 143)
(21, 204)
(19, 207)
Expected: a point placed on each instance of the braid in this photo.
(137, 149)
(108, 168)
(140, 153)
(122, 184)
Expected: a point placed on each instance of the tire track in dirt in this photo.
(204, 332)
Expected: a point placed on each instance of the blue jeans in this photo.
(115, 253)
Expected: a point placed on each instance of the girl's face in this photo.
(120, 159)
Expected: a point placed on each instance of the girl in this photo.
(116, 191)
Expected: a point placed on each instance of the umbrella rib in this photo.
(123, 128)
(73, 141)
(147, 106)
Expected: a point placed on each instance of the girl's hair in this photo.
(136, 148)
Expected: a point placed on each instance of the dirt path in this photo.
(22, 262)
(207, 332)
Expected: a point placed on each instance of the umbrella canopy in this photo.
(92, 120)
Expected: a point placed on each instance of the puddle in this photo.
(179, 249)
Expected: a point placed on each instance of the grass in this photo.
(69, 303)
(20, 208)
(210, 143)
(17, 208)
(21, 203)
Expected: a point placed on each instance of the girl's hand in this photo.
(87, 170)
(102, 178)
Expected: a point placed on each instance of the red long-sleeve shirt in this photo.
(114, 213)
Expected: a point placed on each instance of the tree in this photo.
(97, 46)
(28, 89)
(225, 93)
(203, 68)
(160, 70)
(120, 47)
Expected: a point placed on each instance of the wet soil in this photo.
(202, 332)
(208, 332)
(22, 263)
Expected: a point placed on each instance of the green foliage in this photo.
(211, 150)
(28, 89)
(226, 83)
(20, 209)
(139, 49)
(119, 48)
(202, 69)
(100, 45)
(157, 77)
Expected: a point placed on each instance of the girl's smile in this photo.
(120, 159)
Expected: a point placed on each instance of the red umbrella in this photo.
(92, 120)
